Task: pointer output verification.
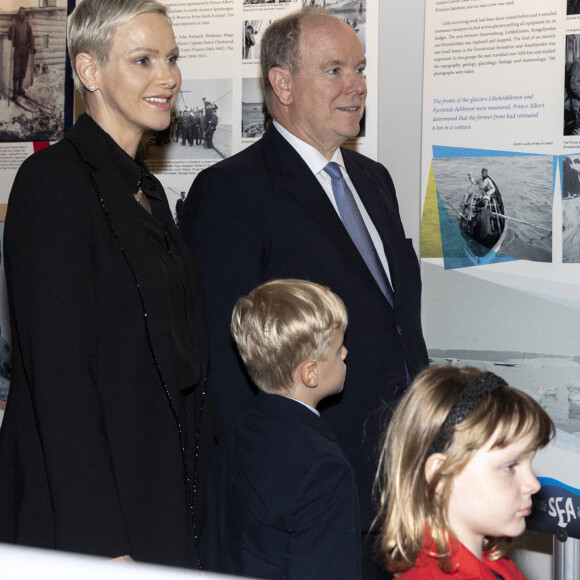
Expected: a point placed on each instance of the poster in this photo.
(501, 213)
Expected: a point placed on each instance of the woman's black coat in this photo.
(97, 433)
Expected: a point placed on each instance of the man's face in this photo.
(329, 91)
(21, 13)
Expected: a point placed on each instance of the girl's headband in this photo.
(470, 397)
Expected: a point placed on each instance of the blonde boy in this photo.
(282, 500)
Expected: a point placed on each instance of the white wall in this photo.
(401, 41)
(401, 34)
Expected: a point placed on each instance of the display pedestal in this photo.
(566, 559)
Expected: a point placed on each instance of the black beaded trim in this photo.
(475, 392)
(188, 481)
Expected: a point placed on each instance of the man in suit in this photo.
(179, 207)
(270, 212)
(211, 124)
(197, 134)
(178, 126)
(188, 128)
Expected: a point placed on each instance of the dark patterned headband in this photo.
(475, 392)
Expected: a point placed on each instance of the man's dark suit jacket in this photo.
(262, 214)
(282, 500)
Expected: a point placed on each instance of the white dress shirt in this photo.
(317, 162)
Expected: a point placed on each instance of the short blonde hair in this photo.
(283, 323)
(408, 502)
(92, 25)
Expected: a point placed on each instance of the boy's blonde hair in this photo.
(92, 25)
(408, 502)
(283, 323)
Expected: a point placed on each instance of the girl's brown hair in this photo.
(408, 502)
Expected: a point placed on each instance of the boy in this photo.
(282, 499)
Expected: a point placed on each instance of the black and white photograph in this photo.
(571, 209)
(201, 124)
(353, 12)
(176, 197)
(572, 86)
(550, 379)
(492, 208)
(573, 7)
(249, 37)
(253, 109)
(32, 70)
(252, 34)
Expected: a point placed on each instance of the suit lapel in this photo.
(294, 178)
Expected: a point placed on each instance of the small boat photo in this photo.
(502, 213)
(483, 224)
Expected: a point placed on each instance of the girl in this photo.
(456, 477)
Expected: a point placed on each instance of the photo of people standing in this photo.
(32, 72)
(200, 125)
(22, 37)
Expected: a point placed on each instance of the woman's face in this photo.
(137, 87)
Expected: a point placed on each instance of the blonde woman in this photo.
(104, 440)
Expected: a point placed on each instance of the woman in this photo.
(100, 446)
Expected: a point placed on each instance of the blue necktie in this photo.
(355, 226)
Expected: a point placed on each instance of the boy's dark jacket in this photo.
(282, 500)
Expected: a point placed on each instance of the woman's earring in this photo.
(92, 89)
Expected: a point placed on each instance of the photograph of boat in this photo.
(571, 209)
(493, 209)
(483, 223)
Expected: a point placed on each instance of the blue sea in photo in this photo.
(526, 186)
